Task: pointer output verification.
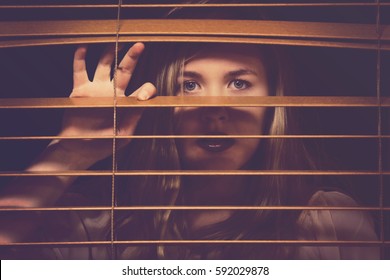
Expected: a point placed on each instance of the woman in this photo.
(205, 70)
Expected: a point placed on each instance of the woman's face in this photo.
(228, 70)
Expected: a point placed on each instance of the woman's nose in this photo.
(214, 114)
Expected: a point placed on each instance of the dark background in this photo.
(46, 71)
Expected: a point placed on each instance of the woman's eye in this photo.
(239, 84)
(190, 86)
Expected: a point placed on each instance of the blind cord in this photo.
(380, 157)
(114, 163)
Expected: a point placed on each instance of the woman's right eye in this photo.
(189, 86)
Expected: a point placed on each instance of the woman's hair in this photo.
(162, 64)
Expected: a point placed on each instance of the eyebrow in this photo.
(192, 74)
(240, 72)
(235, 73)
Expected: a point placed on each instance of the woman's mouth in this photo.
(215, 145)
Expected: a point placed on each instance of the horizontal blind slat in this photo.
(186, 39)
(300, 136)
(188, 101)
(184, 208)
(345, 31)
(194, 173)
(205, 5)
(180, 38)
(209, 241)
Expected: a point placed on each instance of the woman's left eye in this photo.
(239, 84)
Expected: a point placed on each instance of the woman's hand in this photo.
(66, 154)
(99, 122)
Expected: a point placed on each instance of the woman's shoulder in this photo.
(331, 198)
(330, 221)
(338, 218)
(75, 226)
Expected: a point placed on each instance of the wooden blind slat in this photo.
(188, 101)
(181, 208)
(206, 5)
(368, 45)
(195, 173)
(204, 241)
(253, 28)
(300, 136)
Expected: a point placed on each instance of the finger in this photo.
(130, 118)
(80, 76)
(103, 69)
(126, 67)
(145, 92)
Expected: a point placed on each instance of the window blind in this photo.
(38, 38)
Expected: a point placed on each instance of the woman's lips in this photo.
(215, 145)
